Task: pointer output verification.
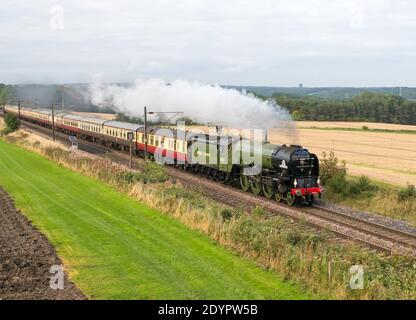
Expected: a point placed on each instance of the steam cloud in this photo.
(201, 102)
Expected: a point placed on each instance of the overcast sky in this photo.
(255, 42)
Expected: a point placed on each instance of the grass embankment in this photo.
(379, 198)
(118, 248)
(363, 193)
(312, 260)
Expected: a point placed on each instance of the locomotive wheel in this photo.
(278, 196)
(221, 176)
(244, 183)
(268, 191)
(201, 171)
(256, 187)
(290, 199)
(309, 199)
(211, 174)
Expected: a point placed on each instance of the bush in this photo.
(364, 128)
(293, 237)
(362, 184)
(153, 173)
(11, 121)
(339, 184)
(331, 167)
(407, 193)
(6, 131)
(226, 214)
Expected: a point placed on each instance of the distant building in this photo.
(300, 86)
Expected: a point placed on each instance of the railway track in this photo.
(365, 232)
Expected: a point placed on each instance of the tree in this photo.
(3, 94)
(367, 106)
(12, 122)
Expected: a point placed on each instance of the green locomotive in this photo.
(289, 173)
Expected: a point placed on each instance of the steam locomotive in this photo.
(285, 173)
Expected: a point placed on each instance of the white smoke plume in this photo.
(202, 103)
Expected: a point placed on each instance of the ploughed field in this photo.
(116, 248)
(26, 258)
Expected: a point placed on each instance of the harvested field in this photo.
(353, 125)
(26, 258)
(387, 157)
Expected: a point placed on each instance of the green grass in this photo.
(117, 248)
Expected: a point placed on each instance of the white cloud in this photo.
(266, 42)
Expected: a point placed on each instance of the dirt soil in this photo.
(26, 257)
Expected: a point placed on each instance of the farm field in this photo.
(354, 125)
(385, 156)
(117, 248)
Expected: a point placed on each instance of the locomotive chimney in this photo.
(219, 129)
(266, 135)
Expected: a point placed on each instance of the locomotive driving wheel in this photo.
(256, 186)
(309, 199)
(290, 199)
(268, 190)
(278, 196)
(244, 183)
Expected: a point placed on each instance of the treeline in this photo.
(3, 94)
(372, 107)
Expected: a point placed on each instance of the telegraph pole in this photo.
(145, 133)
(62, 103)
(131, 155)
(53, 121)
(145, 124)
(130, 136)
(19, 105)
